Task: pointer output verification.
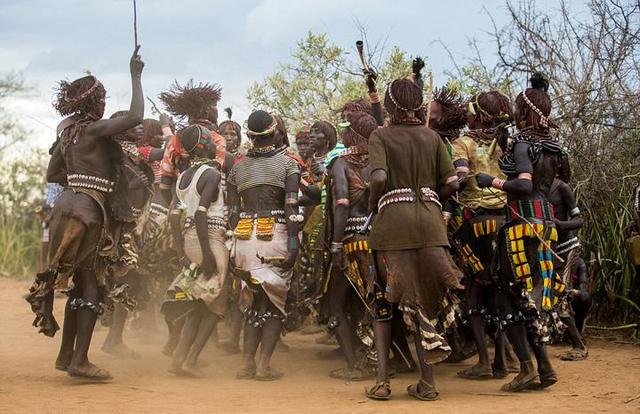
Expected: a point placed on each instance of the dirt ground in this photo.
(609, 381)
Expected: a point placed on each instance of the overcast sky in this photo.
(232, 42)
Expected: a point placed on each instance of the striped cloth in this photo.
(263, 170)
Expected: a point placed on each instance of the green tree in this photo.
(319, 80)
(11, 131)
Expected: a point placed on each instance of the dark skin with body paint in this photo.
(79, 324)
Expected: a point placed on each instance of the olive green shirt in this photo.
(413, 157)
(482, 157)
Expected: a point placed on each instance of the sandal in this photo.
(90, 373)
(268, 374)
(348, 374)
(574, 355)
(499, 373)
(521, 382)
(428, 394)
(472, 373)
(378, 386)
(548, 379)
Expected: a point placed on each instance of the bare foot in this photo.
(120, 351)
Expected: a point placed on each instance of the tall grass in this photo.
(19, 247)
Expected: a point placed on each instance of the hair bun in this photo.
(539, 81)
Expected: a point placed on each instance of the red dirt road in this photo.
(609, 381)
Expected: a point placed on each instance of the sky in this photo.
(232, 43)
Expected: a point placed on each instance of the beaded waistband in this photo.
(90, 181)
(212, 223)
(540, 209)
(407, 195)
(278, 215)
(354, 224)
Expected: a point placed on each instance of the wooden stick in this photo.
(430, 97)
(135, 24)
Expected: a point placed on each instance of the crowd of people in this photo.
(444, 218)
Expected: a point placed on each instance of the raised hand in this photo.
(371, 78)
(136, 64)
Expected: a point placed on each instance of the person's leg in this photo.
(207, 324)
(425, 389)
(402, 360)
(86, 313)
(339, 324)
(69, 330)
(476, 307)
(271, 331)
(175, 330)
(113, 343)
(252, 337)
(189, 333)
(382, 333)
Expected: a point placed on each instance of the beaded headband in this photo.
(543, 119)
(476, 105)
(84, 94)
(267, 131)
(393, 99)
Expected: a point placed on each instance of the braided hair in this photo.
(151, 128)
(84, 97)
(533, 106)
(403, 101)
(491, 108)
(361, 127)
(454, 113)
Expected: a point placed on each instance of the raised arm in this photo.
(109, 127)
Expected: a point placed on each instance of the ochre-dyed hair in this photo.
(150, 129)
(360, 129)
(538, 96)
(329, 132)
(356, 105)
(191, 100)
(407, 95)
(492, 108)
(454, 111)
(281, 130)
(69, 98)
(230, 124)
